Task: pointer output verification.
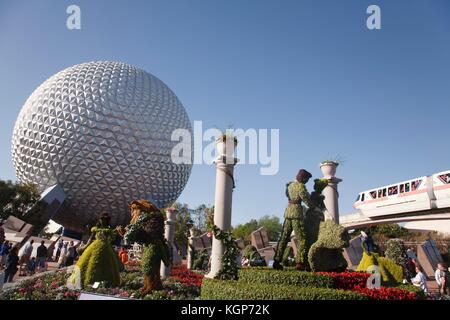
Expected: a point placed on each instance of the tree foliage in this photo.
(270, 223)
(243, 231)
(199, 216)
(387, 231)
(187, 218)
(21, 200)
(183, 224)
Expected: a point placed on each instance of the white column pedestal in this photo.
(190, 250)
(222, 208)
(169, 234)
(331, 199)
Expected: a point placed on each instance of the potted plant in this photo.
(328, 168)
(170, 213)
(222, 141)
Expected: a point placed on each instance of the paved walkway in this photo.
(51, 267)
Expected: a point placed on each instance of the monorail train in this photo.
(423, 193)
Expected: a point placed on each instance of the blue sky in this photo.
(377, 99)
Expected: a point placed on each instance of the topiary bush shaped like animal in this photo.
(326, 253)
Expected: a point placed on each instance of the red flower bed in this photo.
(186, 276)
(383, 293)
(356, 281)
(348, 280)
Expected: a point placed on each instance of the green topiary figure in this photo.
(396, 251)
(147, 228)
(294, 221)
(254, 258)
(391, 273)
(314, 216)
(326, 253)
(99, 262)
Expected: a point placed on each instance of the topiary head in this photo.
(303, 176)
(137, 207)
(104, 220)
(333, 235)
(320, 184)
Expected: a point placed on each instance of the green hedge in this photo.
(213, 289)
(285, 277)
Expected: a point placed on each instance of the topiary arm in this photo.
(304, 195)
(132, 230)
(365, 247)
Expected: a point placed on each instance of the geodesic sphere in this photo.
(102, 131)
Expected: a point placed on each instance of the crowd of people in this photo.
(32, 261)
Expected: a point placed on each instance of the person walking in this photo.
(59, 247)
(439, 276)
(2, 233)
(26, 255)
(5, 248)
(62, 256)
(41, 257)
(70, 255)
(11, 265)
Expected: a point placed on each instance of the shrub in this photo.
(285, 277)
(201, 260)
(248, 251)
(251, 253)
(391, 273)
(213, 289)
(326, 253)
(395, 251)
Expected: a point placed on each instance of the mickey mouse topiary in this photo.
(326, 253)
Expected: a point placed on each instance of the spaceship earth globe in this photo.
(102, 131)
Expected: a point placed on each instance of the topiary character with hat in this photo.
(296, 192)
(147, 228)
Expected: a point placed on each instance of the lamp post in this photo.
(225, 163)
